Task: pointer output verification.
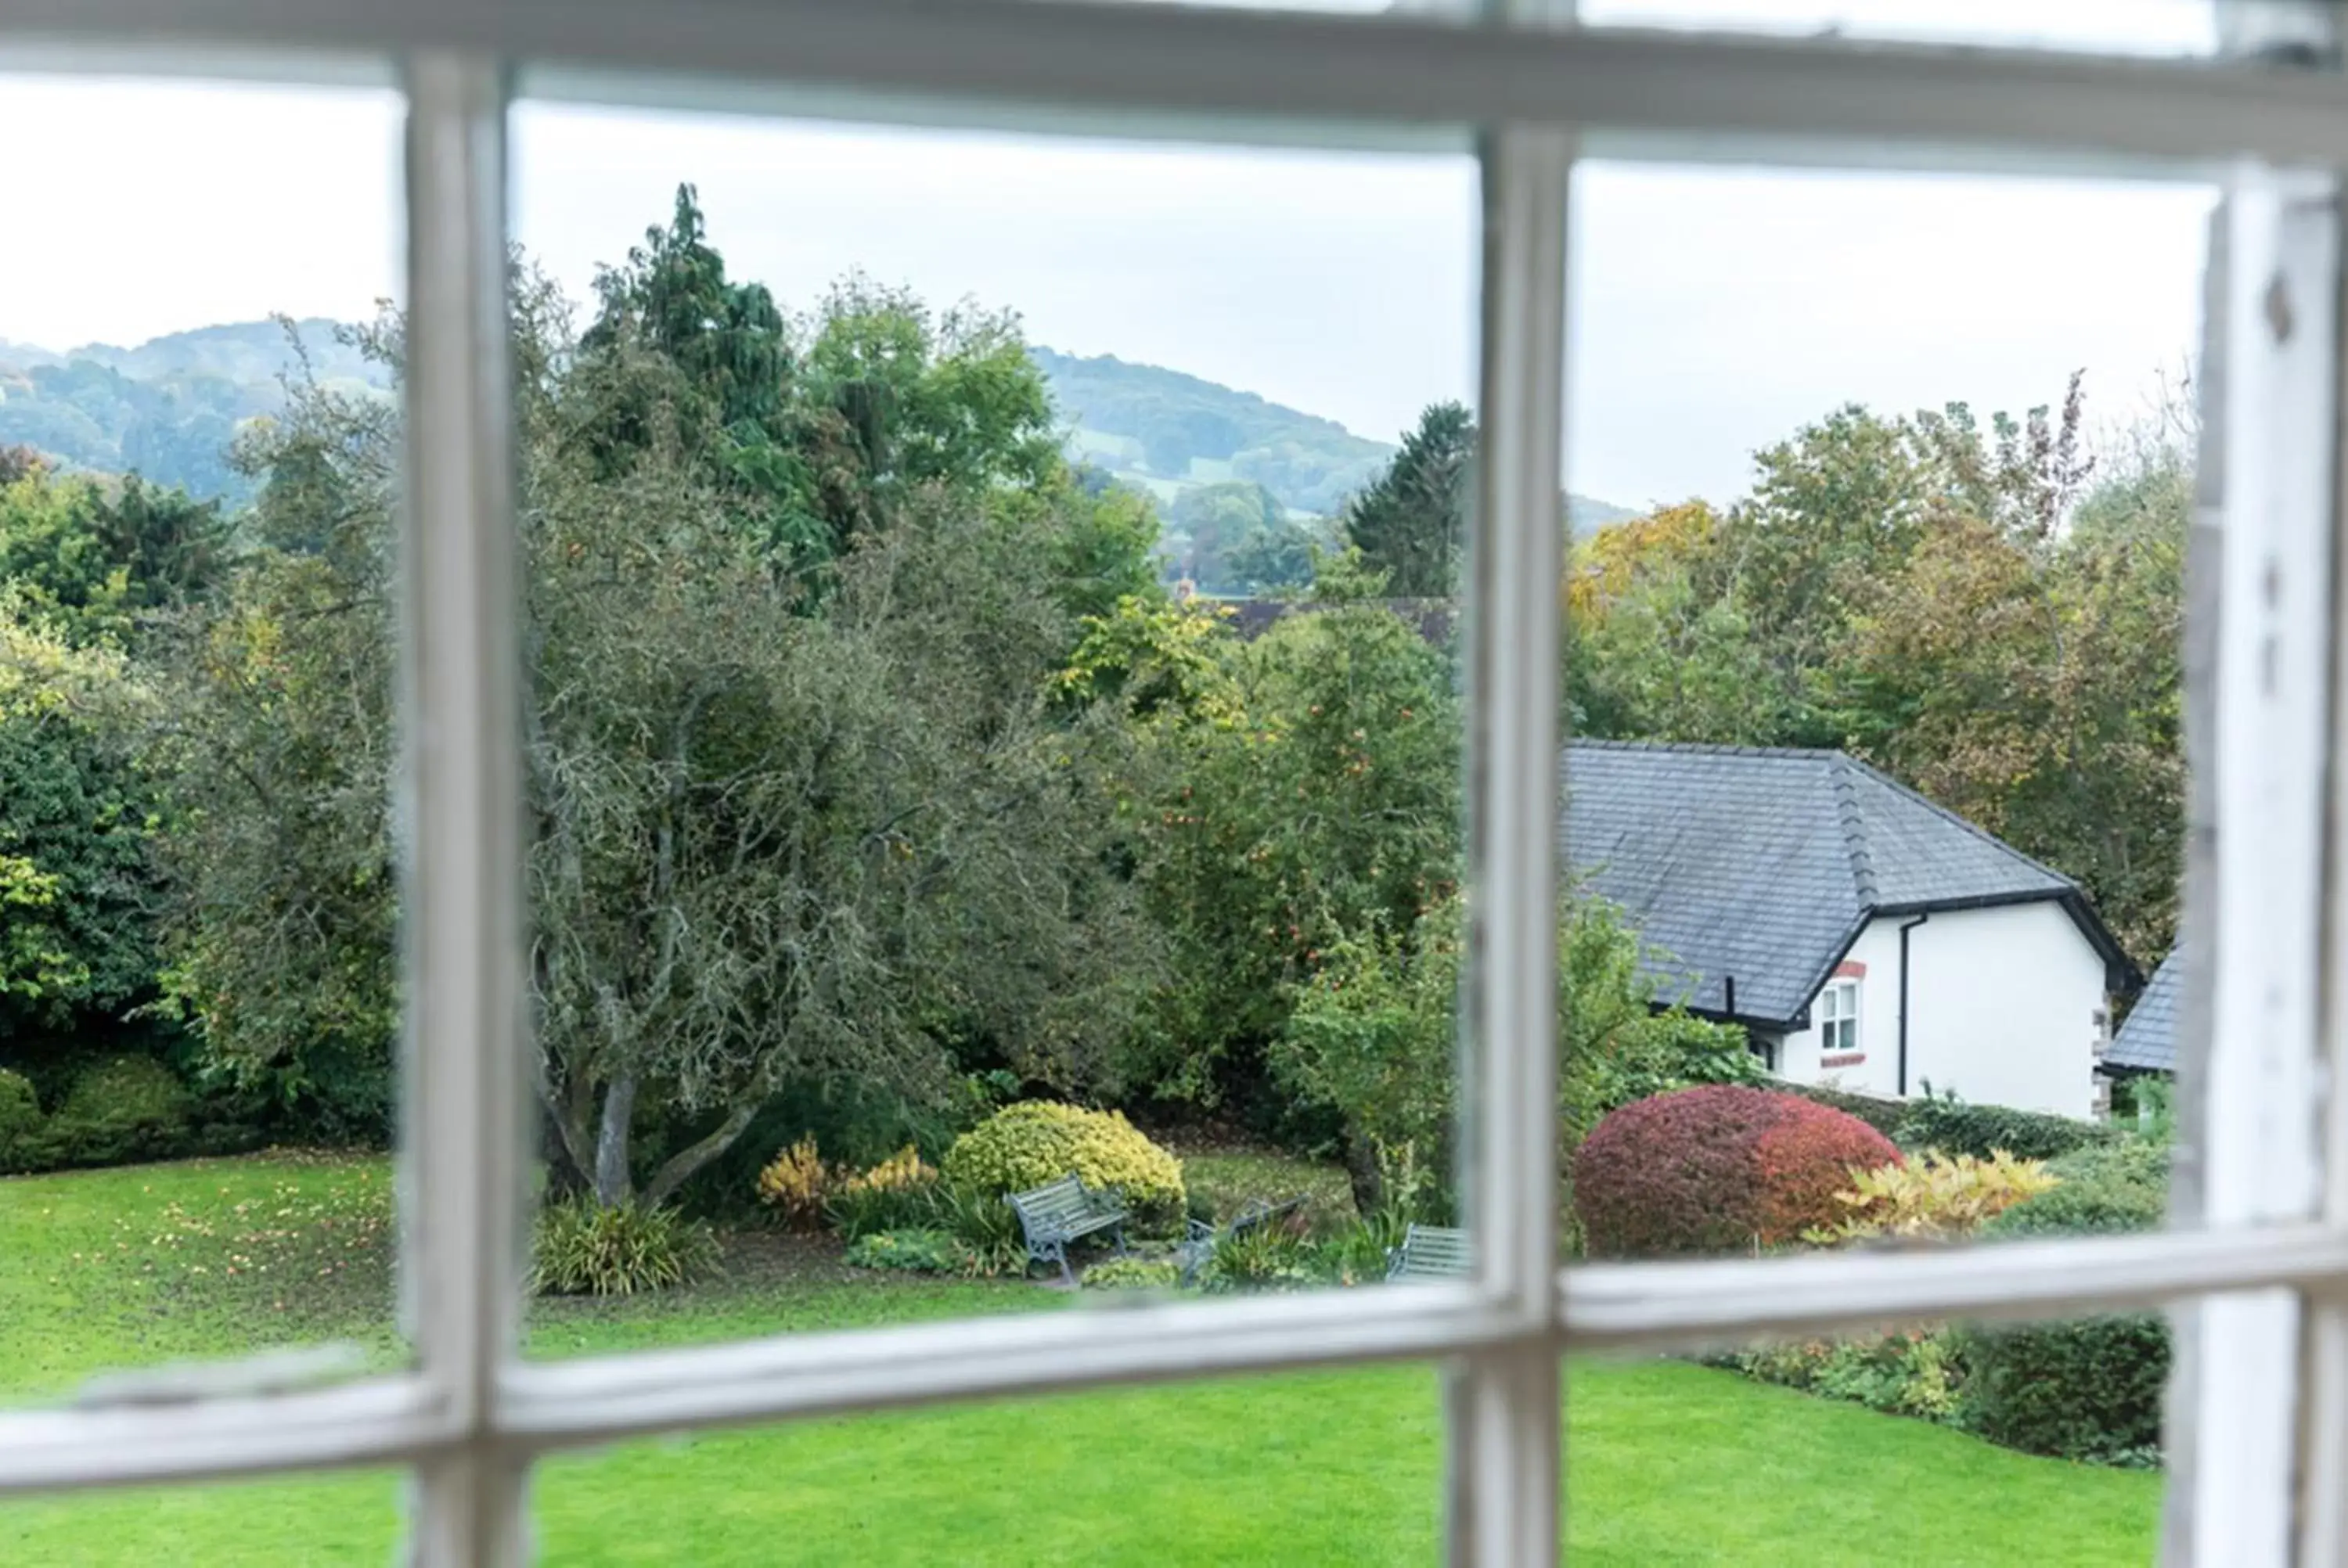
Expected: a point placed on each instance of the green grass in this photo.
(1668, 1463)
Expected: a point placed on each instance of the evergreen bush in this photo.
(2089, 1388)
(1035, 1141)
(1953, 1126)
(120, 1110)
(1720, 1168)
(20, 1120)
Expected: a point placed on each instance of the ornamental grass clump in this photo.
(900, 1192)
(582, 1247)
(795, 1183)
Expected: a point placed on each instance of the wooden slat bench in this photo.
(1061, 1212)
(1431, 1251)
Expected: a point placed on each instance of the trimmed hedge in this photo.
(1884, 1115)
(2089, 1388)
(119, 1111)
(20, 1118)
(1954, 1126)
(122, 1111)
(1719, 1168)
(1026, 1145)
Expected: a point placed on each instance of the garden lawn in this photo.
(1668, 1462)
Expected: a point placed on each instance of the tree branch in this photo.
(693, 1156)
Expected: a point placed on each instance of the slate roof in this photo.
(1762, 864)
(2146, 1040)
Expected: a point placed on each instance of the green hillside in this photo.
(1167, 432)
(1163, 431)
(168, 408)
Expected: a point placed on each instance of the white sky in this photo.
(1715, 310)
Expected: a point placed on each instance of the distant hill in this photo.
(1167, 433)
(1162, 431)
(169, 407)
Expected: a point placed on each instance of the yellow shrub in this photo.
(796, 1182)
(898, 1173)
(1034, 1141)
(1935, 1196)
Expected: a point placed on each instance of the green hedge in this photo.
(1954, 1126)
(123, 1109)
(1883, 1115)
(20, 1118)
(2089, 1388)
(120, 1110)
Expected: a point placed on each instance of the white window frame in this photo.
(2262, 1396)
(1837, 1018)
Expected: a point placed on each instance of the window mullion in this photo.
(2255, 742)
(1503, 1406)
(2324, 1399)
(464, 1163)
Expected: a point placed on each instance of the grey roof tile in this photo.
(2147, 1040)
(1759, 864)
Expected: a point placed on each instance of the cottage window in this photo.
(1837, 1021)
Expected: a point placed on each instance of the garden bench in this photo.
(1200, 1244)
(1430, 1252)
(1058, 1213)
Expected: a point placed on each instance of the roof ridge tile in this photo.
(1702, 748)
(1853, 821)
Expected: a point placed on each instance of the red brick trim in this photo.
(1851, 1059)
(1850, 969)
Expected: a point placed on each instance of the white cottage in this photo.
(1863, 935)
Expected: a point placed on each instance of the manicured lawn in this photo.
(1668, 1463)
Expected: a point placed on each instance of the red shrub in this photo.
(1717, 1169)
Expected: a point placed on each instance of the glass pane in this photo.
(1879, 766)
(198, 879)
(1875, 677)
(1320, 1468)
(995, 730)
(2158, 27)
(308, 1522)
(1862, 1449)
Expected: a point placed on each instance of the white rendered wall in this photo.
(2003, 1009)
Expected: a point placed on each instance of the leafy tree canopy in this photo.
(1410, 522)
(806, 805)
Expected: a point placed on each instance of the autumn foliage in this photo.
(1720, 1168)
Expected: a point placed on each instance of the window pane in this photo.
(1879, 688)
(308, 1522)
(1321, 1468)
(198, 986)
(965, 761)
(1891, 512)
(1862, 1448)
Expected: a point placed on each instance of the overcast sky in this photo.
(1715, 310)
